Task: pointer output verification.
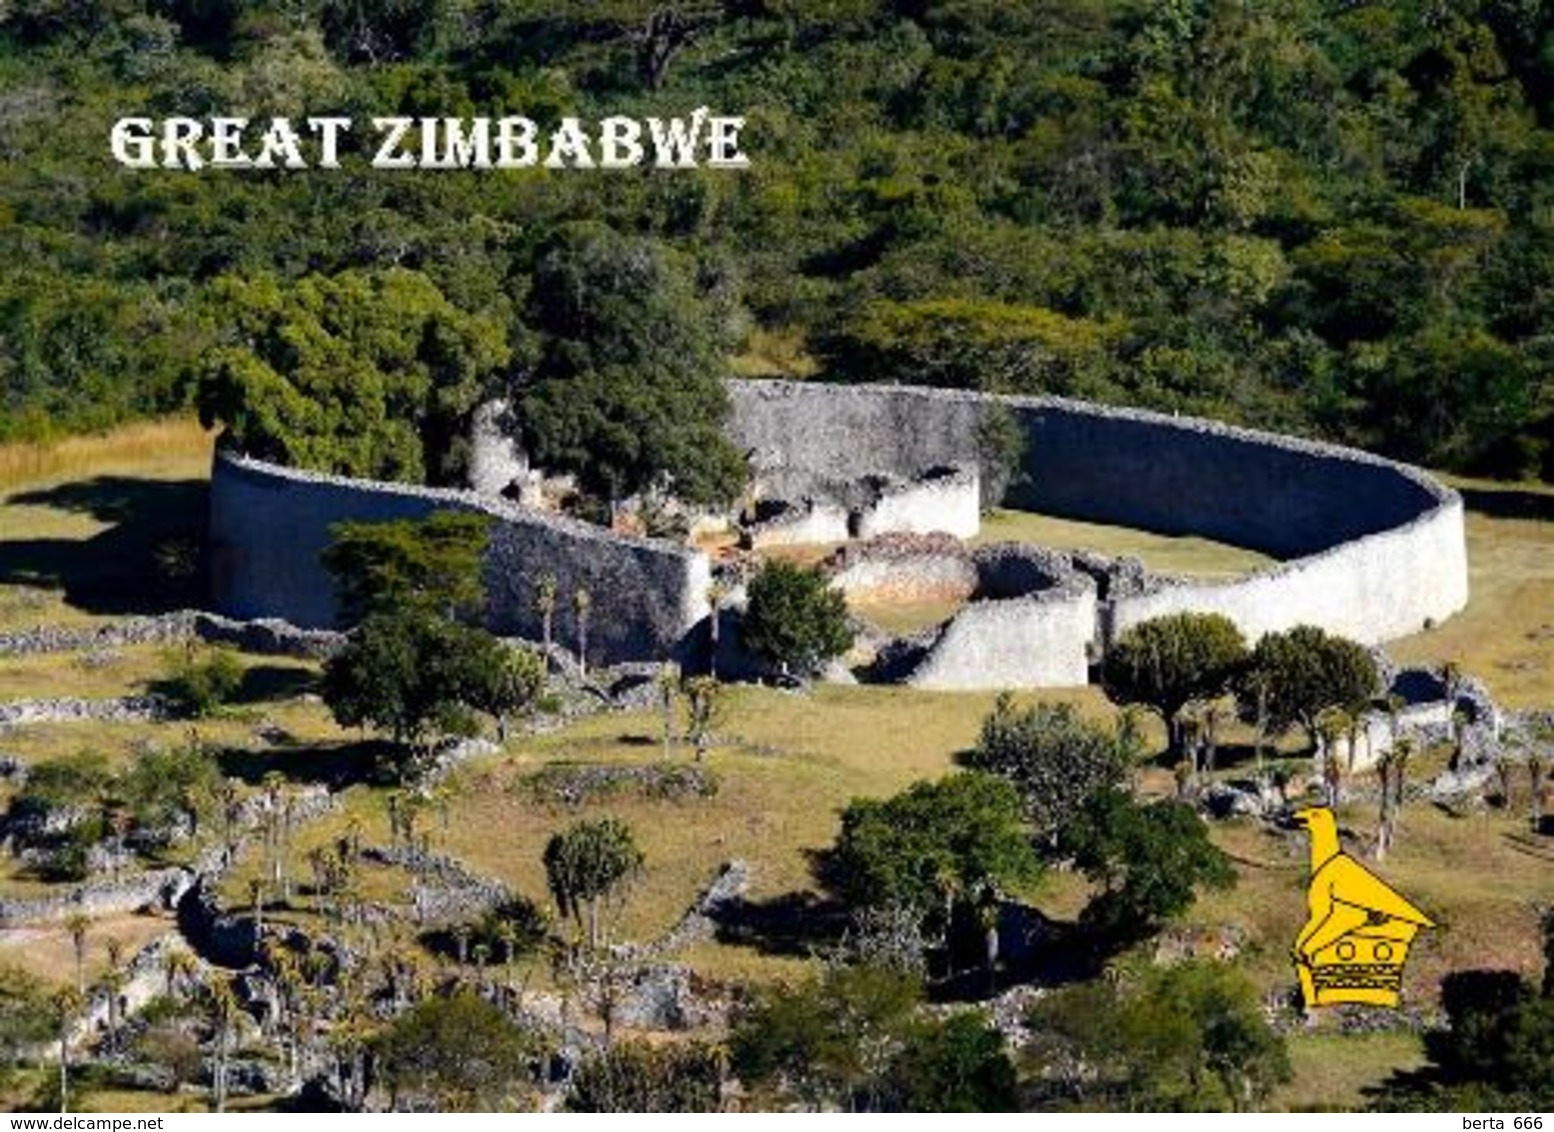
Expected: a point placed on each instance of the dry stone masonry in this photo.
(1369, 548)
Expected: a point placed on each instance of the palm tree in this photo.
(1332, 725)
(703, 696)
(223, 1012)
(545, 602)
(66, 1005)
(668, 682)
(178, 966)
(717, 594)
(256, 898)
(582, 605)
(114, 980)
(78, 925)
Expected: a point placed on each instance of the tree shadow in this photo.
(795, 924)
(149, 559)
(269, 683)
(1509, 503)
(336, 765)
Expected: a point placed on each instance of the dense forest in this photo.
(1324, 216)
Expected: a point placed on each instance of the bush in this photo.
(202, 678)
(795, 620)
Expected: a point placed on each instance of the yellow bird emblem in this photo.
(1357, 937)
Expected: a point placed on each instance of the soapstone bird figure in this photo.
(1356, 938)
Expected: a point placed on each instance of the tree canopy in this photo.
(1329, 219)
(795, 620)
(433, 564)
(627, 388)
(1148, 859)
(365, 373)
(1168, 662)
(934, 845)
(588, 864)
(460, 1053)
(1055, 757)
(1292, 677)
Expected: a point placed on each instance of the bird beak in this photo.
(1302, 817)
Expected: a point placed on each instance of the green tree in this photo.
(971, 344)
(1168, 662)
(638, 1077)
(459, 1053)
(26, 1020)
(1147, 859)
(703, 708)
(1292, 677)
(434, 563)
(1495, 1053)
(955, 1064)
(201, 678)
(417, 677)
(364, 373)
(831, 1041)
(935, 847)
(795, 620)
(627, 386)
(1190, 1036)
(586, 866)
(1054, 756)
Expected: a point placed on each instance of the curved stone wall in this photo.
(269, 525)
(1372, 549)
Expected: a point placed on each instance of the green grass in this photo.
(1332, 1071)
(1165, 554)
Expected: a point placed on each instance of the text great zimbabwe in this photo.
(702, 139)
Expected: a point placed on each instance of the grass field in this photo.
(79, 532)
(1506, 635)
(1165, 554)
(84, 522)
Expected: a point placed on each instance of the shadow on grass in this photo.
(1509, 503)
(148, 560)
(268, 683)
(337, 766)
(795, 924)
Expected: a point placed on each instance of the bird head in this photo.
(1314, 817)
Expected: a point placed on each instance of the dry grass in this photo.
(164, 449)
(82, 522)
(782, 352)
(904, 617)
(1506, 634)
(48, 952)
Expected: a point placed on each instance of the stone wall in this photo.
(944, 499)
(1373, 549)
(1037, 641)
(269, 525)
(1030, 624)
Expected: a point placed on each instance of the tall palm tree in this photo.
(114, 980)
(545, 602)
(223, 1014)
(66, 1004)
(78, 925)
(582, 606)
(717, 594)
